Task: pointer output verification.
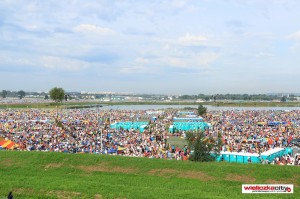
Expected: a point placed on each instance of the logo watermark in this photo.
(267, 188)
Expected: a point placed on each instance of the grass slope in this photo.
(58, 175)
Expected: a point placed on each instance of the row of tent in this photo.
(141, 126)
(37, 120)
(275, 123)
(188, 119)
(188, 126)
(254, 157)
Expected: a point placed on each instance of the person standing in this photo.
(10, 196)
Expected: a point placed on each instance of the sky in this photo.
(151, 47)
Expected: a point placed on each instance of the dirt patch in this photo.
(196, 175)
(58, 193)
(53, 165)
(240, 178)
(98, 196)
(163, 172)
(153, 172)
(22, 190)
(107, 168)
(7, 162)
(283, 181)
(181, 174)
(272, 181)
(65, 194)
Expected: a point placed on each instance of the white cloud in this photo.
(179, 3)
(177, 62)
(264, 54)
(294, 36)
(140, 65)
(262, 35)
(15, 59)
(205, 59)
(92, 38)
(90, 28)
(133, 69)
(141, 60)
(190, 39)
(195, 61)
(59, 63)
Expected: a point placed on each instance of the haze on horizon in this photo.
(159, 46)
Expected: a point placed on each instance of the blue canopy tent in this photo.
(240, 157)
(270, 155)
(185, 113)
(130, 125)
(188, 119)
(188, 126)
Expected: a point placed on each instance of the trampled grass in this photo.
(177, 141)
(58, 175)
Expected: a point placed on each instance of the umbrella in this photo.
(121, 148)
(8, 144)
(111, 151)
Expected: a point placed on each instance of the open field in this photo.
(58, 175)
(91, 104)
(177, 141)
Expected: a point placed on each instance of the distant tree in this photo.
(204, 148)
(46, 97)
(283, 99)
(57, 94)
(202, 110)
(4, 93)
(292, 97)
(245, 97)
(21, 94)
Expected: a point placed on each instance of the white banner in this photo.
(267, 188)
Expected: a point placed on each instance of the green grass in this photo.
(58, 175)
(90, 104)
(177, 141)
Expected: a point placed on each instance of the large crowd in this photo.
(255, 131)
(88, 131)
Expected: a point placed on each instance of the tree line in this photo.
(241, 97)
(6, 93)
(56, 94)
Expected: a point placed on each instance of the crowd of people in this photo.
(88, 131)
(284, 160)
(255, 131)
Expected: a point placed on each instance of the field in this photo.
(177, 141)
(74, 104)
(58, 175)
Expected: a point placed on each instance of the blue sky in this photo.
(157, 46)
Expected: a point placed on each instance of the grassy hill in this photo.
(58, 175)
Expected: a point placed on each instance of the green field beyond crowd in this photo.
(94, 104)
(58, 175)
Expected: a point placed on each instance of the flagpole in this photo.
(101, 139)
(100, 131)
